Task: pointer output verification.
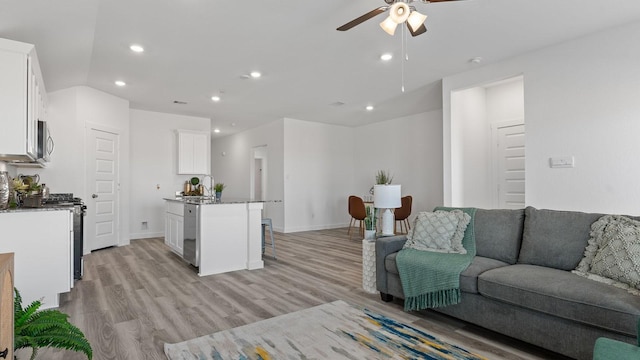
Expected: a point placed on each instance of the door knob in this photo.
(94, 196)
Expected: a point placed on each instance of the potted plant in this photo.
(35, 329)
(370, 223)
(218, 187)
(382, 178)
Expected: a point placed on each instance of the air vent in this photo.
(179, 102)
(337, 103)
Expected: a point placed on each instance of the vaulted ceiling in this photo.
(195, 49)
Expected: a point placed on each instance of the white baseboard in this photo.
(314, 227)
(146, 235)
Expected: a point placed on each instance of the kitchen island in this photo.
(216, 237)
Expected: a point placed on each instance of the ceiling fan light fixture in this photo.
(399, 12)
(389, 26)
(415, 20)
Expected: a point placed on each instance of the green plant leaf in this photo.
(46, 328)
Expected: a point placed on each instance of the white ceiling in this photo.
(199, 48)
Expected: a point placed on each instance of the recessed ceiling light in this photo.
(120, 83)
(476, 60)
(386, 57)
(255, 74)
(215, 98)
(216, 130)
(136, 48)
(369, 107)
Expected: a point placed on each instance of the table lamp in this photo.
(387, 197)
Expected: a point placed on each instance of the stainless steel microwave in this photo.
(45, 143)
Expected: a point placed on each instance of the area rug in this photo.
(331, 331)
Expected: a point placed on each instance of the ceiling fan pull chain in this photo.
(404, 54)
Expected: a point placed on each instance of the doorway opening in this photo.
(258, 170)
(488, 145)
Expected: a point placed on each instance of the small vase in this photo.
(218, 196)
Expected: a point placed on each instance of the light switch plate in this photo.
(561, 162)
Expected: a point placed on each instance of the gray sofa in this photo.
(520, 282)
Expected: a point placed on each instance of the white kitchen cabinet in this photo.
(22, 101)
(194, 152)
(42, 241)
(173, 226)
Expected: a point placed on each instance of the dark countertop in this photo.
(43, 208)
(208, 200)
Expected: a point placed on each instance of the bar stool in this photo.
(267, 222)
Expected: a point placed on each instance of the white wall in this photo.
(154, 173)
(505, 100)
(581, 100)
(317, 166)
(410, 148)
(68, 114)
(318, 175)
(470, 146)
(233, 168)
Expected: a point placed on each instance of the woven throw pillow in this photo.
(613, 252)
(440, 231)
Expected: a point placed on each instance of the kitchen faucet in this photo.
(210, 189)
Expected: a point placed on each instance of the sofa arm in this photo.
(384, 247)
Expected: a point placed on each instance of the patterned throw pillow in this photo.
(613, 252)
(440, 231)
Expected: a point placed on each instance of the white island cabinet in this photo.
(218, 236)
(42, 240)
(173, 226)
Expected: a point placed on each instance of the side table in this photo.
(369, 266)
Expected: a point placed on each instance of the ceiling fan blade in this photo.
(363, 18)
(421, 30)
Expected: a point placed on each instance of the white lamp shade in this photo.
(415, 20)
(399, 12)
(387, 196)
(389, 26)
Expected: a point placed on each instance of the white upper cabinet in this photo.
(22, 101)
(194, 152)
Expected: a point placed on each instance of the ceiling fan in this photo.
(399, 12)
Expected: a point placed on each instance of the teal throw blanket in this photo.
(432, 279)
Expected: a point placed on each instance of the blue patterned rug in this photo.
(331, 331)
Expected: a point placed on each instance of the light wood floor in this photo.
(135, 298)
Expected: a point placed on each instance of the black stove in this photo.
(63, 199)
(79, 211)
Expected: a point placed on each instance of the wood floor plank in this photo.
(133, 299)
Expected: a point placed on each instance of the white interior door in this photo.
(102, 187)
(510, 166)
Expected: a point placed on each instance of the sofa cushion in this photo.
(555, 239)
(563, 294)
(499, 233)
(439, 231)
(468, 278)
